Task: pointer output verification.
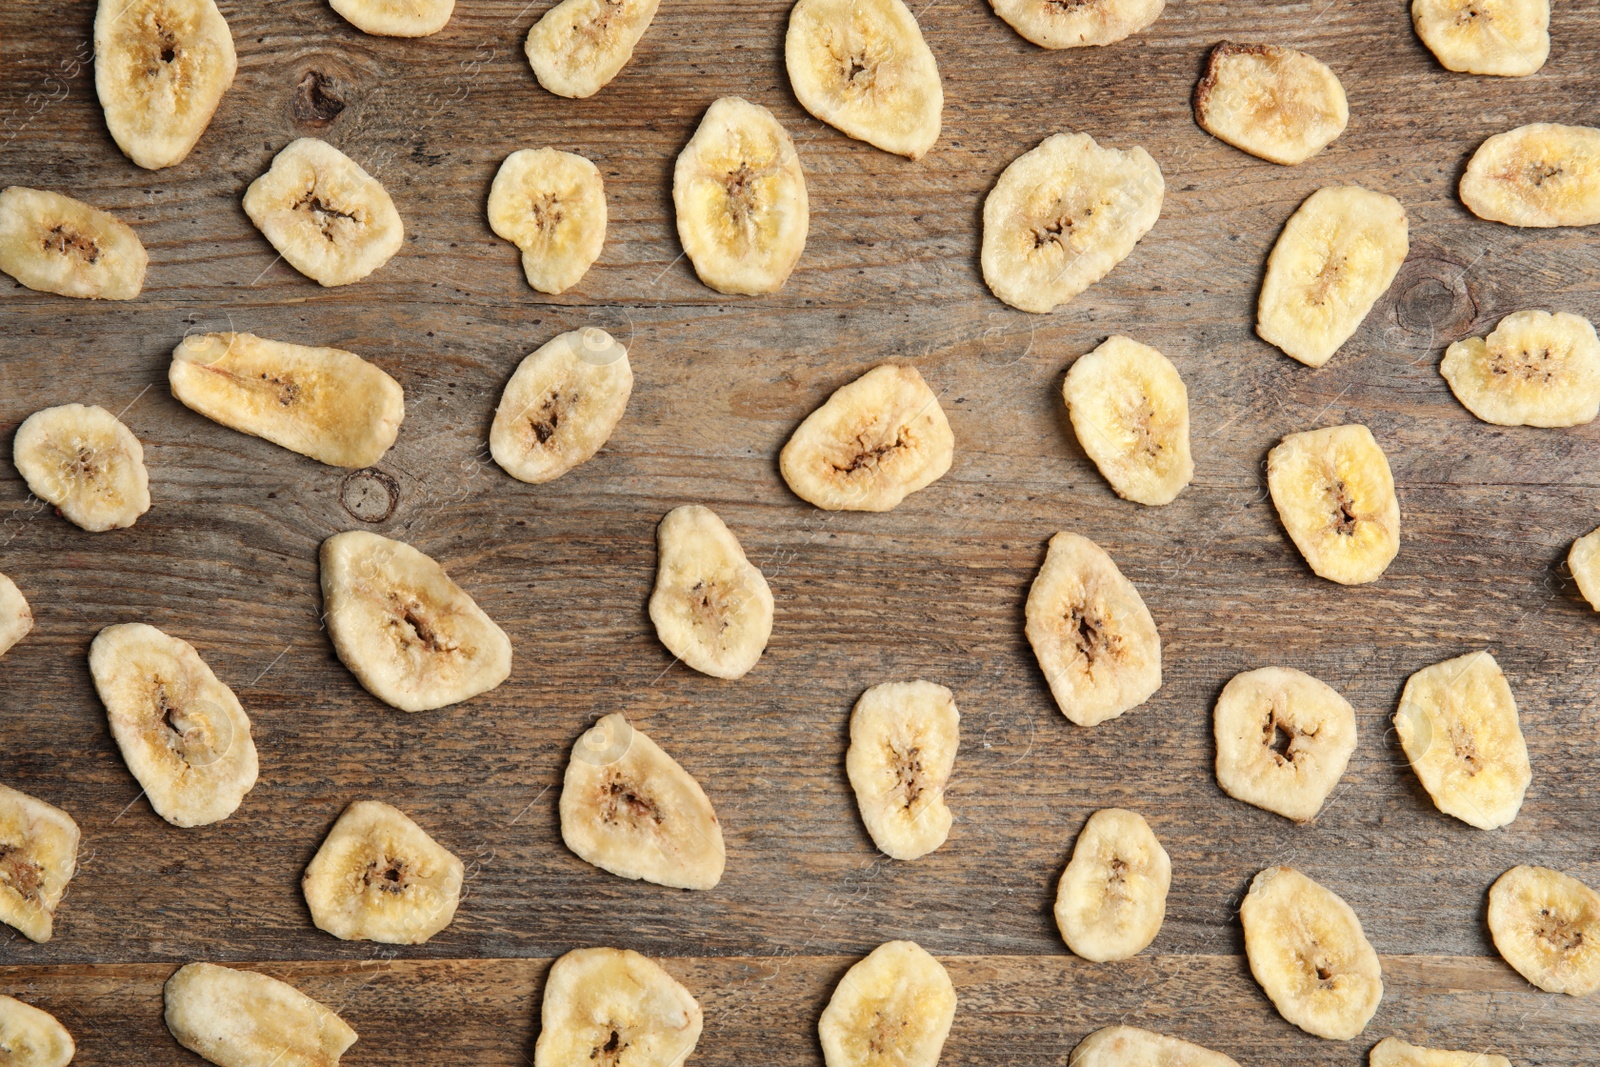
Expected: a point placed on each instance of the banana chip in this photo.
(1583, 560)
(551, 205)
(16, 618)
(395, 18)
(609, 1006)
(903, 739)
(1540, 175)
(32, 1038)
(1547, 926)
(55, 244)
(1129, 1046)
(1505, 37)
(1077, 23)
(1130, 411)
(1335, 496)
(85, 462)
(1535, 369)
(1393, 1052)
(379, 877)
(247, 1019)
(561, 405)
(38, 856)
(1283, 740)
(711, 606)
(895, 1007)
(580, 45)
(1112, 897)
(1277, 103)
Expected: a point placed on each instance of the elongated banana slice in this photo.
(1129, 1046)
(1113, 895)
(325, 403)
(38, 856)
(1535, 369)
(1277, 103)
(411, 636)
(1093, 636)
(395, 18)
(1283, 740)
(1130, 410)
(903, 738)
(85, 462)
(248, 1019)
(1505, 37)
(379, 877)
(1077, 23)
(580, 45)
(330, 219)
(561, 405)
(1583, 560)
(1457, 722)
(1393, 1052)
(182, 732)
(55, 244)
(1540, 175)
(30, 1037)
(1307, 951)
(551, 205)
(1335, 496)
(893, 1007)
(862, 67)
(874, 442)
(1062, 215)
(16, 618)
(1547, 926)
(711, 606)
(614, 1006)
(740, 197)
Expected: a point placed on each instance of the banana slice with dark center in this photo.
(379, 877)
(55, 244)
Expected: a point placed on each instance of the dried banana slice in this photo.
(1540, 175)
(1583, 560)
(893, 1007)
(1393, 1052)
(330, 219)
(395, 18)
(862, 67)
(324, 403)
(1505, 37)
(580, 45)
(1335, 496)
(1457, 722)
(182, 732)
(740, 197)
(551, 205)
(1129, 1046)
(627, 807)
(1076, 23)
(1307, 951)
(610, 1006)
(1547, 926)
(379, 877)
(1062, 215)
(874, 442)
(1113, 895)
(1277, 103)
(561, 405)
(1130, 410)
(16, 618)
(247, 1019)
(32, 1038)
(55, 244)
(1283, 740)
(38, 856)
(1093, 636)
(1535, 369)
(711, 606)
(411, 636)
(85, 462)
(903, 738)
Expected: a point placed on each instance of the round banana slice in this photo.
(85, 462)
(55, 244)
(1535, 369)
(379, 877)
(1457, 722)
(1283, 740)
(38, 856)
(862, 67)
(1505, 37)
(552, 205)
(1093, 636)
(1076, 23)
(1129, 1046)
(903, 738)
(711, 606)
(1062, 216)
(1540, 175)
(1547, 926)
(893, 1007)
(1308, 953)
(1113, 894)
(1335, 496)
(1393, 1052)
(395, 18)
(580, 45)
(182, 732)
(1277, 103)
(740, 197)
(1130, 410)
(561, 405)
(16, 618)
(330, 219)
(1583, 560)
(32, 1038)
(612, 1006)
(248, 1019)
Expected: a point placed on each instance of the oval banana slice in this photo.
(895, 1006)
(609, 1006)
(1130, 411)
(1547, 926)
(711, 606)
(1283, 740)
(330, 219)
(1308, 953)
(16, 618)
(1129, 1046)
(379, 877)
(1062, 216)
(248, 1019)
(1112, 897)
(628, 808)
(1393, 1052)
(862, 67)
(580, 45)
(561, 405)
(1335, 496)
(85, 462)
(182, 732)
(1276, 103)
(1505, 37)
(1535, 369)
(38, 856)
(1077, 23)
(55, 244)
(551, 205)
(1093, 636)
(1541, 175)
(740, 198)
(411, 636)
(395, 18)
(1583, 560)
(30, 1037)
(903, 739)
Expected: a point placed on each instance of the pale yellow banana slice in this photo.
(874, 442)
(1540, 175)
(379, 877)
(862, 67)
(1335, 496)
(1457, 722)
(1112, 896)
(903, 739)
(1307, 951)
(740, 198)
(160, 69)
(1283, 740)
(411, 636)
(551, 205)
(1393, 1052)
(55, 244)
(1337, 254)
(1077, 23)
(324, 403)
(1583, 560)
(85, 462)
(182, 732)
(610, 1006)
(330, 219)
(711, 606)
(580, 45)
(30, 1037)
(561, 405)
(38, 856)
(1062, 215)
(1093, 636)
(892, 1009)
(395, 18)
(1547, 926)
(248, 1019)
(1535, 369)
(1130, 410)
(1129, 1046)
(16, 618)
(1505, 37)
(1277, 103)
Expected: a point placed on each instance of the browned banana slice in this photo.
(1277, 103)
